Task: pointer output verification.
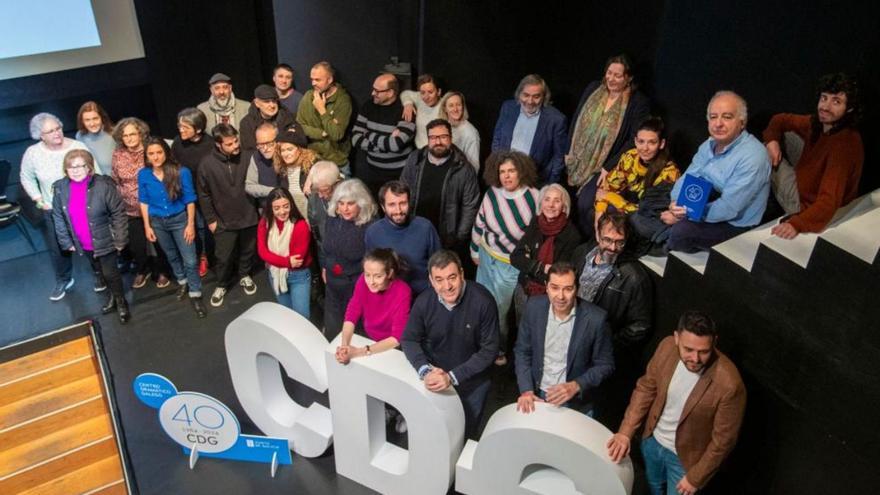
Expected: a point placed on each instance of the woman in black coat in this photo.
(90, 218)
(604, 126)
(550, 237)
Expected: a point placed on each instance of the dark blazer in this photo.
(549, 145)
(637, 110)
(108, 222)
(712, 414)
(590, 357)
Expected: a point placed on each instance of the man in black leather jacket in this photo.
(620, 285)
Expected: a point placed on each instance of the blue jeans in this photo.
(500, 278)
(181, 256)
(299, 291)
(663, 468)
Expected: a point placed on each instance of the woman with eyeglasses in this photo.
(41, 167)
(130, 134)
(90, 218)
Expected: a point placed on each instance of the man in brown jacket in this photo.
(692, 400)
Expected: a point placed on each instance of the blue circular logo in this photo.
(153, 389)
(694, 193)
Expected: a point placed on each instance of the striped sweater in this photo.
(502, 220)
(371, 135)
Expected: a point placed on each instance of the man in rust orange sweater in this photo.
(827, 174)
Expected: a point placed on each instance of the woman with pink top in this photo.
(89, 218)
(382, 300)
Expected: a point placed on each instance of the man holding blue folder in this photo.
(724, 191)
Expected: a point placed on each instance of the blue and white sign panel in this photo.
(197, 420)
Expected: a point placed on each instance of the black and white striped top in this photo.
(372, 135)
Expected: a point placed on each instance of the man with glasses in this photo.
(382, 138)
(261, 177)
(444, 188)
(618, 284)
(265, 109)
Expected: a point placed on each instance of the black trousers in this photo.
(337, 293)
(228, 243)
(139, 252)
(105, 267)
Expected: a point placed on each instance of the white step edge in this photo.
(697, 261)
(743, 248)
(657, 264)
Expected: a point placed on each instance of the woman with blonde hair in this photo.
(292, 161)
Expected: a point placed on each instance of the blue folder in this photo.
(694, 195)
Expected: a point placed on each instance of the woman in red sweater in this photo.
(283, 239)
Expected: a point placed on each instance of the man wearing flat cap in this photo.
(223, 107)
(265, 109)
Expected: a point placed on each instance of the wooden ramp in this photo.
(57, 433)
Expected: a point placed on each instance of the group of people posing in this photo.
(410, 251)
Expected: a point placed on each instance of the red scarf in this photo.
(549, 229)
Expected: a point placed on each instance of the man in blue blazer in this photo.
(528, 123)
(563, 350)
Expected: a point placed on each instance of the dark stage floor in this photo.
(165, 337)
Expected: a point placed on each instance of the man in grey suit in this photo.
(563, 350)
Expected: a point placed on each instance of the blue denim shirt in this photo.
(740, 173)
(152, 193)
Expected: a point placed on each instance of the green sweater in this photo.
(327, 133)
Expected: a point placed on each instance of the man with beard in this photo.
(265, 109)
(413, 238)
(223, 107)
(453, 205)
(324, 115)
(691, 400)
(530, 124)
(288, 96)
(229, 212)
(619, 285)
(380, 135)
(827, 174)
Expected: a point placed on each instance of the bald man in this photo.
(737, 166)
(382, 138)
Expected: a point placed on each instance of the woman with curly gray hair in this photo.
(41, 167)
(351, 211)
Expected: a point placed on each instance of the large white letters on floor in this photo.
(256, 342)
(435, 422)
(553, 450)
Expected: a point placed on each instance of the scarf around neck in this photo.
(594, 134)
(549, 229)
(279, 243)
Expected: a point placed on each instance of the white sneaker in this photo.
(217, 297)
(247, 283)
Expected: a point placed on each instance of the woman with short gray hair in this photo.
(350, 212)
(41, 167)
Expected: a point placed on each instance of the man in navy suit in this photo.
(563, 351)
(528, 123)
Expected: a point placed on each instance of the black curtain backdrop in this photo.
(770, 52)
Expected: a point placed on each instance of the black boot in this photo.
(110, 306)
(122, 307)
(198, 306)
(181, 292)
